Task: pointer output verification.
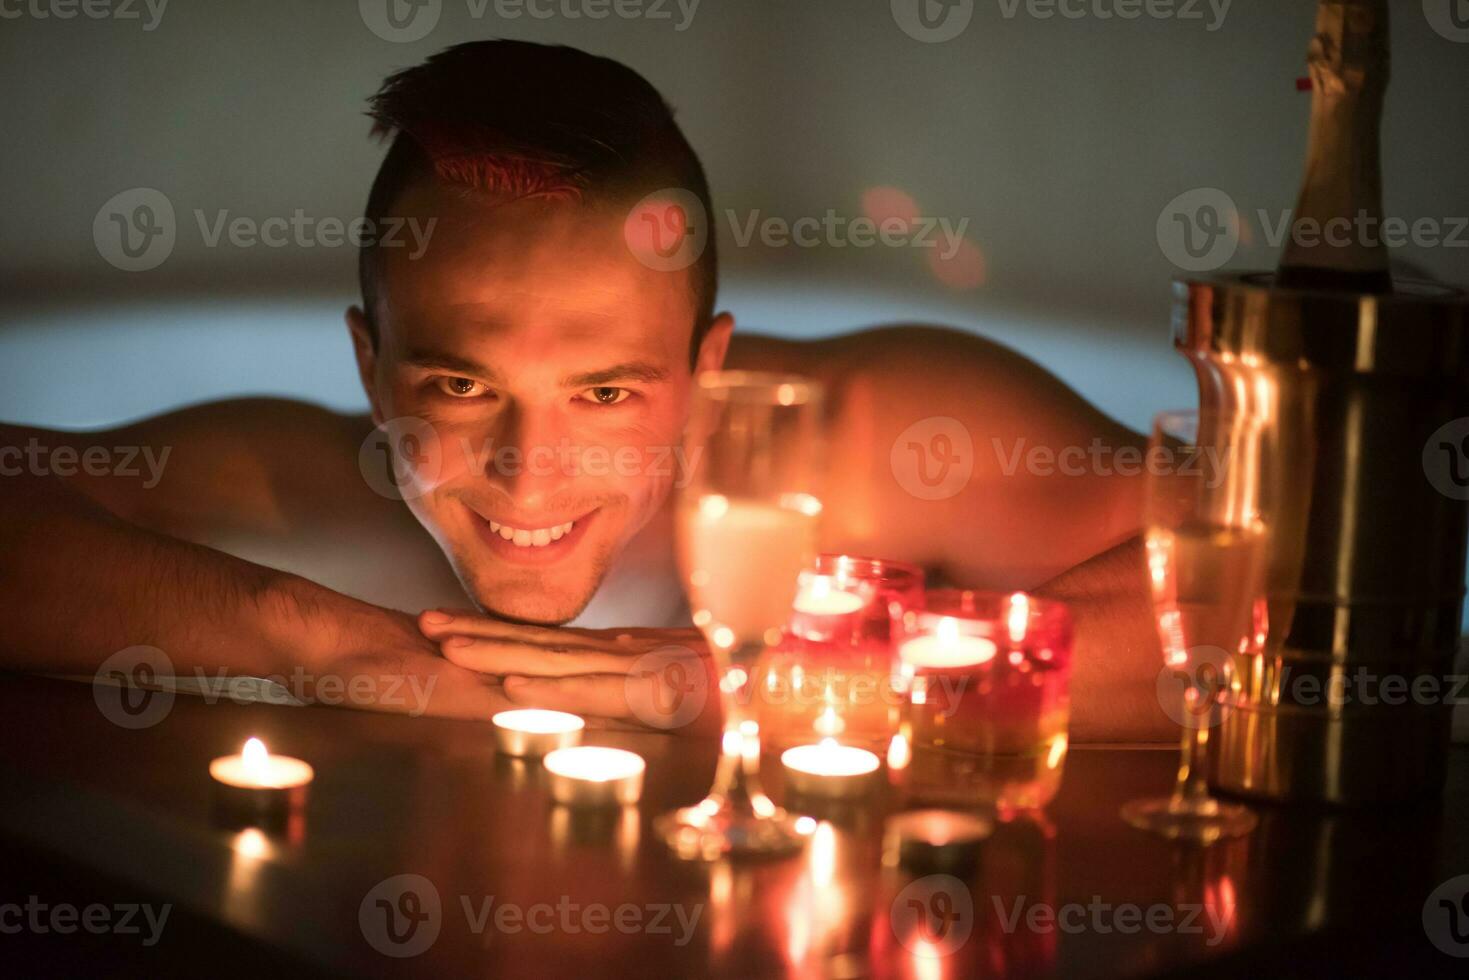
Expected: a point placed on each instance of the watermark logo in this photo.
(591, 10)
(1208, 463)
(932, 21)
(667, 688)
(933, 458)
(64, 919)
(1446, 459)
(135, 230)
(90, 9)
(668, 230)
(400, 21)
(1180, 10)
(1104, 918)
(1198, 230)
(933, 916)
(1190, 690)
(401, 916)
(123, 687)
(1446, 916)
(1450, 18)
(39, 459)
(833, 230)
(400, 459)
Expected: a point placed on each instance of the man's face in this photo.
(552, 368)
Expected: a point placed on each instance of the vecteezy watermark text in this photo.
(136, 230)
(405, 21)
(1097, 916)
(90, 9)
(402, 916)
(405, 458)
(1099, 459)
(64, 919)
(38, 459)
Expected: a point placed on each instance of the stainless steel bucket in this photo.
(1365, 400)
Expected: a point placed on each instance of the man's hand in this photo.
(339, 651)
(655, 678)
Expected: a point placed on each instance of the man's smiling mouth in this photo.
(538, 538)
(529, 544)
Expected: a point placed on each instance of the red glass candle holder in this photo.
(831, 674)
(984, 679)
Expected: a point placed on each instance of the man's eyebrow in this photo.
(433, 360)
(630, 371)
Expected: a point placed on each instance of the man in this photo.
(535, 333)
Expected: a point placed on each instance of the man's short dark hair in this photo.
(514, 121)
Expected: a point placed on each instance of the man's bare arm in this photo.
(1116, 661)
(79, 581)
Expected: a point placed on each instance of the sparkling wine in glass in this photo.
(1208, 487)
(746, 528)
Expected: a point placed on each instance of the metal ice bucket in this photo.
(1366, 577)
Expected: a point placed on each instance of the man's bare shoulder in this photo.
(934, 427)
(239, 463)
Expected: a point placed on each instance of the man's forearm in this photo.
(1116, 660)
(77, 584)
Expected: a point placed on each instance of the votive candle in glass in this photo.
(985, 678)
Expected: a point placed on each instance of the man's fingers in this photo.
(439, 624)
(605, 696)
(511, 657)
(416, 685)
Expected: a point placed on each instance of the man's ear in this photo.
(715, 344)
(365, 351)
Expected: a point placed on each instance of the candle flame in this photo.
(1019, 616)
(254, 753)
(948, 630)
(900, 753)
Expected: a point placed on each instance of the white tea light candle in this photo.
(594, 775)
(256, 768)
(535, 731)
(819, 596)
(946, 648)
(829, 768)
(257, 785)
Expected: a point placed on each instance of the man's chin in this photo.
(533, 599)
(531, 611)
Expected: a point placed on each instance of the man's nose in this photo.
(530, 463)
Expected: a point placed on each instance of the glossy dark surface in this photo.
(92, 811)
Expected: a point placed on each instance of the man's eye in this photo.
(461, 387)
(604, 395)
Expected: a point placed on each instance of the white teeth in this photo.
(538, 538)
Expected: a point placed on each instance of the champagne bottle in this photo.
(1336, 240)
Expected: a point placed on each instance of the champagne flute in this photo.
(746, 528)
(1207, 488)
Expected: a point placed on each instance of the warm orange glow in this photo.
(964, 269)
(883, 203)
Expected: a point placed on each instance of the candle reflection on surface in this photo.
(250, 850)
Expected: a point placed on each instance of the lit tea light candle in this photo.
(829, 769)
(946, 648)
(820, 597)
(934, 840)
(535, 731)
(256, 784)
(593, 775)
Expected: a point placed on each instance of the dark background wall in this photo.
(1061, 140)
